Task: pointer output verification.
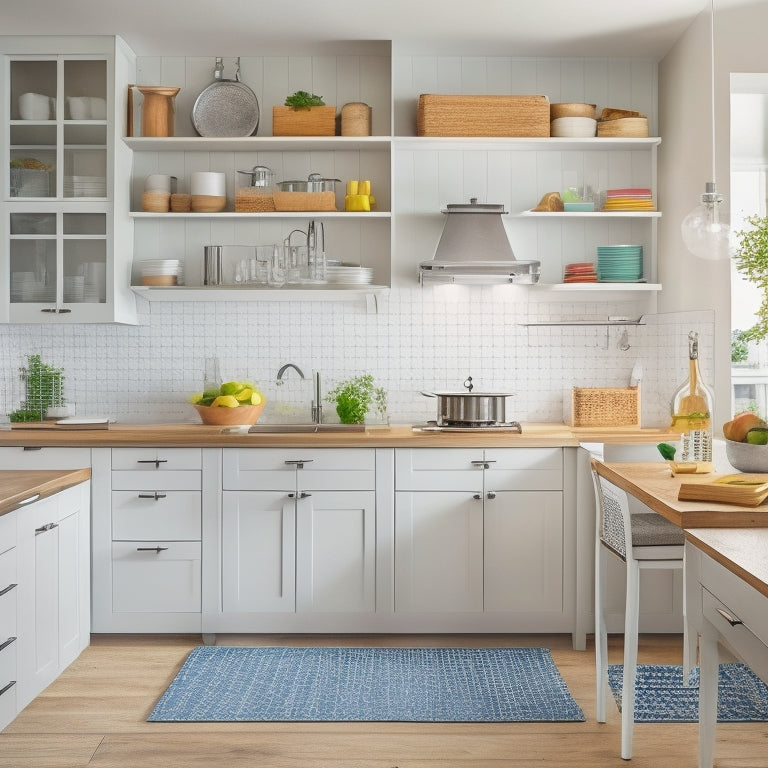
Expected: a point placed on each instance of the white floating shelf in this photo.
(267, 215)
(258, 143)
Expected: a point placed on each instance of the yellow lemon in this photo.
(230, 388)
(196, 398)
(226, 401)
(256, 398)
(244, 395)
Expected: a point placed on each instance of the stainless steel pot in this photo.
(315, 183)
(470, 408)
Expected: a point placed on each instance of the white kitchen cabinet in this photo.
(60, 204)
(147, 530)
(15, 457)
(8, 625)
(298, 540)
(480, 539)
(54, 583)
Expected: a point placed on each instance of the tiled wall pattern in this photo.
(419, 340)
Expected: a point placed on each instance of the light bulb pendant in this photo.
(705, 234)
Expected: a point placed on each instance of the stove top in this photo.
(433, 426)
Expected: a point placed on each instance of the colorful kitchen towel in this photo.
(661, 697)
(237, 684)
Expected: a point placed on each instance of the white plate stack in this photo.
(161, 272)
(348, 274)
(85, 186)
(95, 289)
(26, 287)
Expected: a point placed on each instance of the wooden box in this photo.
(515, 116)
(605, 407)
(315, 121)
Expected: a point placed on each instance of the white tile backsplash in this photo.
(419, 340)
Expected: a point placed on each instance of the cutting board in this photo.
(747, 489)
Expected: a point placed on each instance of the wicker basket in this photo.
(315, 121)
(441, 115)
(305, 201)
(609, 407)
(356, 119)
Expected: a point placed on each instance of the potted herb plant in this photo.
(751, 259)
(355, 397)
(44, 390)
(303, 114)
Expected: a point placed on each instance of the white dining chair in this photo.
(642, 540)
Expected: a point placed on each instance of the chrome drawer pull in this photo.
(480, 464)
(30, 499)
(727, 616)
(45, 528)
(156, 462)
(8, 589)
(32, 448)
(59, 311)
(156, 496)
(7, 687)
(298, 463)
(477, 497)
(491, 494)
(304, 495)
(157, 549)
(4, 645)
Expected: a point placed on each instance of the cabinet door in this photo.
(336, 551)
(439, 469)
(523, 563)
(438, 551)
(258, 551)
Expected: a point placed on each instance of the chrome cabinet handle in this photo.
(7, 687)
(4, 645)
(298, 463)
(156, 462)
(304, 495)
(45, 528)
(727, 616)
(8, 589)
(156, 496)
(157, 549)
(29, 500)
(480, 464)
(477, 497)
(32, 448)
(56, 310)
(491, 495)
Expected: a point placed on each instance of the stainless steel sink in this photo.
(306, 428)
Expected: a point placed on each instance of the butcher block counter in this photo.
(22, 486)
(399, 436)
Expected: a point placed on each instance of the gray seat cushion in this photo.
(652, 530)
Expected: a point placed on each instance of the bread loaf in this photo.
(550, 202)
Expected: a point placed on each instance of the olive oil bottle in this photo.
(692, 410)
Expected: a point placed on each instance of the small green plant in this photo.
(354, 398)
(304, 100)
(751, 260)
(44, 390)
(739, 348)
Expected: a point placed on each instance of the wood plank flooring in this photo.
(95, 715)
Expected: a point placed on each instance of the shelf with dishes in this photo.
(529, 144)
(258, 143)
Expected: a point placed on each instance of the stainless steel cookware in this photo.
(470, 408)
(314, 183)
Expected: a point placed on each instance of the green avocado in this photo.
(757, 436)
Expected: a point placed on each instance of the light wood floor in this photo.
(94, 715)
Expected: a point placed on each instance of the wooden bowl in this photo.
(244, 415)
(624, 127)
(572, 109)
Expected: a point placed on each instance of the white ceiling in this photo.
(563, 28)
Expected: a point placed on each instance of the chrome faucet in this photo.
(284, 368)
(317, 402)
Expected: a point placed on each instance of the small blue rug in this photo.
(236, 684)
(661, 697)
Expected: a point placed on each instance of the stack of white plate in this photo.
(85, 186)
(95, 289)
(161, 272)
(573, 127)
(74, 288)
(26, 287)
(348, 274)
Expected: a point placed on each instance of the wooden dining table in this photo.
(654, 484)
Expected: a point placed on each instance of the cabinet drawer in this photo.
(8, 592)
(324, 469)
(7, 531)
(156, 459)
(137, 571)
(146, 515)
(466, 469)
(15, 457)
(151, 481)
(8, 686)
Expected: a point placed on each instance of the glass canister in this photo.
(254, 190)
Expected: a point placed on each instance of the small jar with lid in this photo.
(254, 190)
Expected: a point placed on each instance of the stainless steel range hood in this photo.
(474, 249)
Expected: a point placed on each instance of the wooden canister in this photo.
(356, 119)
(158, 111)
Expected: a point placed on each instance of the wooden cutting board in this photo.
(747, 489)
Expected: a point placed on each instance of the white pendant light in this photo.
(705, 232)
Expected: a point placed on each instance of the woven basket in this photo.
(305, 201)
(441, 115)
(315, 121)
(356, 119)
(609, 407)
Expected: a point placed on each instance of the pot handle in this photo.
(429, 394)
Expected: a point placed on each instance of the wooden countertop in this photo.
(399, 436)
(744, 552)
(18, 485)
(654, 485)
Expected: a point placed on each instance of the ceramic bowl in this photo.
(244, 415)
(573, 127)
(747, 457)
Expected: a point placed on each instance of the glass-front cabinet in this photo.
(62, 255)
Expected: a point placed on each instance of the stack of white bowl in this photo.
(161, 272)
(573, 127)
(74, 288)
(349, 274)
(85, 186)
(26, 287)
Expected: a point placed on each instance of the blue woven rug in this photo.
(237, 684)
(661, 697)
